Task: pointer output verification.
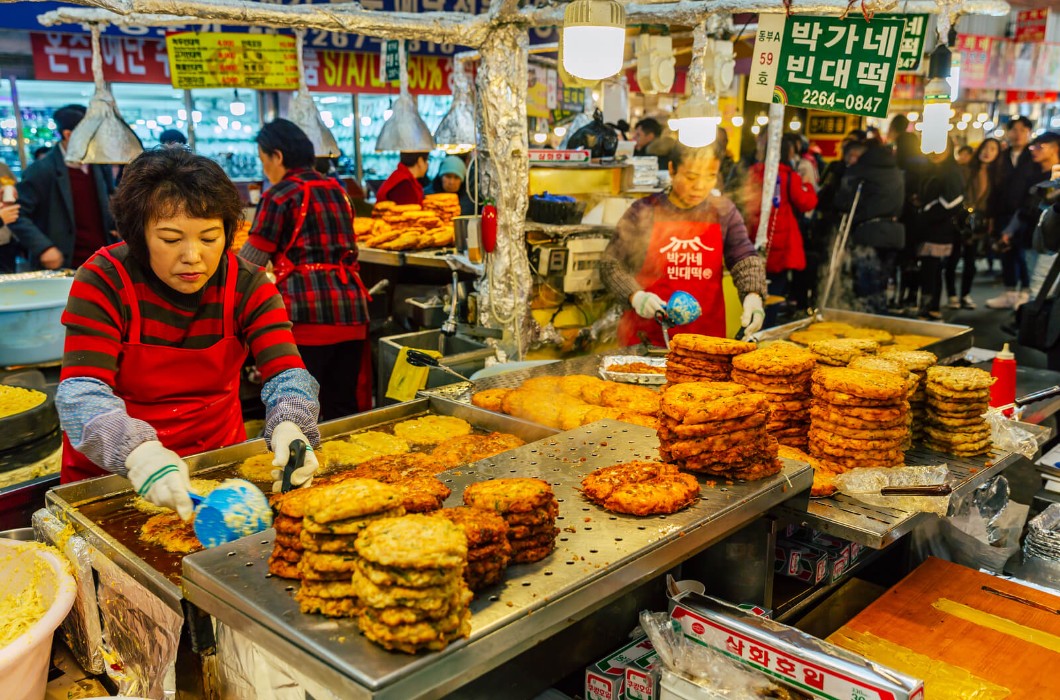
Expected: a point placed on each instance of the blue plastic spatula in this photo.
(683, 308)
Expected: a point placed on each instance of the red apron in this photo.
(282, 266)
(681, 256)
(190, 397)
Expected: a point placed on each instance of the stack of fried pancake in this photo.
(488, 550)
(334, 516)
(171, 533)
(782, 372)
(841, 351)
(466, 449)
(288, 548)
(917, 362)
(957, 398)
(349, 451)
(571, 401)
(410, 474)
(445, 205)
(528, 506)
(702, 358)
(717, 428)
(859, 418)
(641, 488)
(890, 366)
(409, 578)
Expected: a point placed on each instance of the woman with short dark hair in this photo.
(157, 330)
(304, 227)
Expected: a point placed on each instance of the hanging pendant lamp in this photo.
(303, 112)
(102, 137)
(405, 130)
(456, 133)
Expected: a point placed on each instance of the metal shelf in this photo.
(599, 557)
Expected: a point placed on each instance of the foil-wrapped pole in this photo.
(502, 86)
(697, 71)
(769, 175)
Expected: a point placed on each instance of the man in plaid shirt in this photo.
(304, 226)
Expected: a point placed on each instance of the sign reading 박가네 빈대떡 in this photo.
(225, 59)
(838, 65)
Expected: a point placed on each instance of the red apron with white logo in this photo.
(681, 256)
(190, 397)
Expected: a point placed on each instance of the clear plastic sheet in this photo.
(140, 634)
(1008, 436)
(707, 668)
(247, 672)
(984, 530)
(81, 628)
(865, 485)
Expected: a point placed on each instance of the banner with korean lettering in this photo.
(912, 49)
(125, 59)
(1032, 25)
(222, 59)
(838, 65)
(354, 72)
(1003, 64)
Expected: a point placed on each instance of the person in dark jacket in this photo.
(980, 180)
(451, 178)
(912, 163)
(939, 200)
(1015, 177)
(65, 216)
(877, 233)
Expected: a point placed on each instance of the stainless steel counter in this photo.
(401, 258)
(599, 556)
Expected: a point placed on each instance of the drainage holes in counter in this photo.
(249, 564)
(288, 588)
(231, 554)
(526, 584)
(493, 598)
(618, 539)
(587, 527)
(548, 573)
(570, 563)
(563, 539)
(641, 527)
(594, 551)
(266, 542)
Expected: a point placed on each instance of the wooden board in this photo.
(942, 625)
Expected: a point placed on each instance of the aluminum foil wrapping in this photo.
(502, 85)
(246, 671)
(140, 633)
(1043, 535)
(1008, 436)
(865, 485)
(775, 133)
(81, 628)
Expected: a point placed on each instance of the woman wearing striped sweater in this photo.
(157, 329)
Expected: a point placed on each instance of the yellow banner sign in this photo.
(217, 59)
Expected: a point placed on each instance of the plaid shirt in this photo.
(327, 237)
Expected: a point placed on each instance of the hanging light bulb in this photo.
(593, 38)
(696, 121)
(755, 129)
(762, 119)
(102, 136)
(937, 97)
(737, 121)
(961, 126)
(540, 138)
(560, 131)
(795, 125)
(238, 108)
(913, 116)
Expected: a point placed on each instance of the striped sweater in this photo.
(97, 323)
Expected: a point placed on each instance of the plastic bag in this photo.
(865, 485)
(1008, 436)
(598, 138)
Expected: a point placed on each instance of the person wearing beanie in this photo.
(172, 138)
(65, 215)
(451, 178)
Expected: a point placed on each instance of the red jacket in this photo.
(401, 188)
(786, 249)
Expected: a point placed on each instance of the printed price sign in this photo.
(391, 60)
(826, 63)
(222, 59)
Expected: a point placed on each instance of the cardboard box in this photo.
(802, 561)
(641, 684)
(606, 679)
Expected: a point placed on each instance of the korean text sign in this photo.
(838, 65)
(222, 59)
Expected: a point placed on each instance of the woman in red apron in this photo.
(682, 240)
(304, 226)
(158, 328)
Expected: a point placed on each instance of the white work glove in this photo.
(646, 304)
(282, 436)
(160, 476)
(753, 315)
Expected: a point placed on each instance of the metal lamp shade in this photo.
(305, 115)
(102, 137)
(405, 130)
(456, 133)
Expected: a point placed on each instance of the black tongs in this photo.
(422, 359)
(294, 462)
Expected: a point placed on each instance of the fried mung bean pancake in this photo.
(915, 360)
(764, 446)
(640, 419)
(480, 526)
(293, 503)
(398, 616)
(880, 336)
(534, 517)
(328, 607)
(572, 415)
(861, 433)
(257, 468)
(641, 488)
(200, 487)
(548, 384)
(314, 542)
(518, 495)
(672, 429)
(490, 399)
(431, 429)
(674, 377)
(833, 327)
(713, 443)
(287, 525)
(471, 448)
(842, 350)
(348, 527)
(540, 407)
(529, 556)
(384, 576)
(414, 542)
(941, 393)
(169, 532)
(337, 454)
(416, 637)
(709, 345)
(601, 413)
(532, 538)
(330, 589)
(823, 477)
(877, 386)
(283, 568)
(575, 385)
(884, 416)
(844, 400)
(629, 397)
(420, 494)
(792, 380)
(944, 421)
(855, 444)
(806, 337)
(289, 541)
(837, 462)
(339, 563)
(423, 598)
(824, 449)
(351, 499)
(287, 554)
(701, 402)
(960, 379)
(775, 361)
(490, 552)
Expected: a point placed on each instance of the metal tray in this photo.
(462, 391)
(953, 340)
(876, 527)
(599, 555)
(610, 361)
(99, 508)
